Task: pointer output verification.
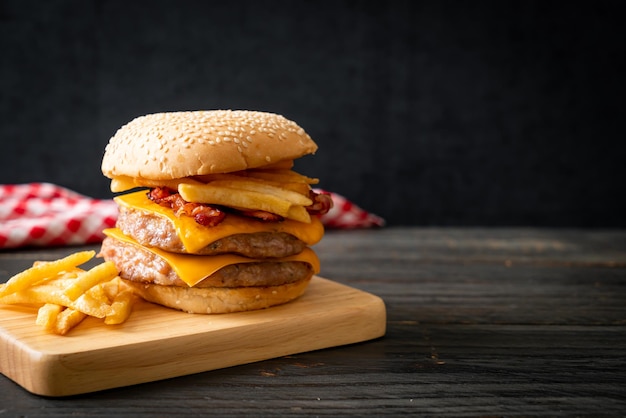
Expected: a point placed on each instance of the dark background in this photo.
(426, 112)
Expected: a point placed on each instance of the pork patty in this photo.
(155, 231)
(140, 265)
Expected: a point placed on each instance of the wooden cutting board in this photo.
(158, 343)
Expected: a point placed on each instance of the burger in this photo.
(212, 216)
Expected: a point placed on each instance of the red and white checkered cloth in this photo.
(44, 214)
(346, 215)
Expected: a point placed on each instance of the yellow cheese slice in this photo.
(195, 236)
(192, 269)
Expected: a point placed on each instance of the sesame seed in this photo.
(176, 131)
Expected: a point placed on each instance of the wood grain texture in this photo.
(480, 322)
(171, 343)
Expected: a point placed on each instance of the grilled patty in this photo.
(155, 231)
(140, 265)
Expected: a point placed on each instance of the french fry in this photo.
(279, 175)
(45, 270)
(123, 183)
(68, 319)
(94, 302)
(235, 198)
(301, 188)
(65, 294)
(299, 213)
(37, 295)
(47, 316)
(298, 187)
(235, 175)
(42, 294)
(19, 298)
(120, 308)
(282, 176)
(112, 288)
(293, 197)
(85, 281)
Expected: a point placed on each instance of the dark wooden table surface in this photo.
(481, 322)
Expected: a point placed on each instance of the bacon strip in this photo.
(205, 215)
(209, 215)
(322, 203)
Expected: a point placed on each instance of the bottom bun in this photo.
(215, 300)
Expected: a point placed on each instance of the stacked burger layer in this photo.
(212, 216)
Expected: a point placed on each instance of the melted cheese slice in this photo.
(192, 269)
(195, 236)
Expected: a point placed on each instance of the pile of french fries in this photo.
(278, 190)
(66, 294)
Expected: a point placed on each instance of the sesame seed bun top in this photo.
(173, 145)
